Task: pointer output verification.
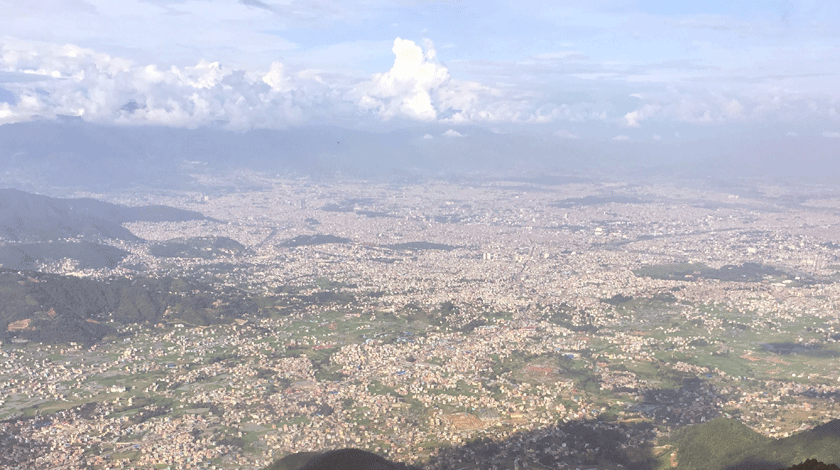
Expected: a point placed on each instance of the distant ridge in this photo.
(40, 229)
(32, 217)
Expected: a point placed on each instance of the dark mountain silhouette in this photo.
(340, 459)
(66, 153)
(813, 464)
(40, 229)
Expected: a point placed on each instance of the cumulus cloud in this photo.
(831, 134)
(71, 80)
(428, 137)
(620, 138)
(734, 108)
(656, 137)
(406, 89)
(452, 133)
(634, 118)
(419, 87)
(275, 78)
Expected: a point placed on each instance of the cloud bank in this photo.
(73, 81)
(45, 80)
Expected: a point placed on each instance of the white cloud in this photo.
(203, 75)
(620, 138)
(275, 78)
(564, 134)
(76, 81)
(428, 137)
(634, 118)
(734, 108)
(406, 89)
(71, 80)
(419, 87)
(452, 133)
(656, 137)
(792, 134)
(831, 134)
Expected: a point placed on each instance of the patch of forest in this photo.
(747, 272)
(196, 247)
(309, 240)
(52, 308)
(417, 246)
(597, 201)
(26, 256)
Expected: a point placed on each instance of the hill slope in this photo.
(55, 309)
(32, 217)
(728, 444)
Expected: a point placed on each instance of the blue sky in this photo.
(618, 70)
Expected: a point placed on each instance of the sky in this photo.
(610, 70)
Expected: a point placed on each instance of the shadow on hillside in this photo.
(607, 444)
(757, 465)
(574, 444)
(829, 429)
(566, 444)
(811, 350)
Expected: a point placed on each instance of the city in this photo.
(432, 322)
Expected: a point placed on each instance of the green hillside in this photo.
(51, 308)
(821, 443)
(714, 444)
(728, 444)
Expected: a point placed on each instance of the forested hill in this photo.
(720, 444)
(32, 217)
(85, 254)
(728, 444)
(51, 308)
